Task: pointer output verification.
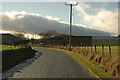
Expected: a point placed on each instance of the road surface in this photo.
(0, 65)
(53, 64)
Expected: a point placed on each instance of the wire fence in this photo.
(103, 49)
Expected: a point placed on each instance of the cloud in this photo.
(84, 6)
(102, 19)
(17, 15)
(49, 17)
(31, 22)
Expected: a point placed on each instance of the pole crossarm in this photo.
(71, 3)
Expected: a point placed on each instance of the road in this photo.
(0, 65)
(53, 64)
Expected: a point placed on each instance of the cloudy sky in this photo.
(101, 16)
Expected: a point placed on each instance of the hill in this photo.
(33, 23)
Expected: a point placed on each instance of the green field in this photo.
(114, 50)
(7, 47)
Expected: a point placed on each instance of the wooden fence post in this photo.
(109, 50)
(85, 47)
(91, 47)
(88, 48)
(102, 49)
(81, 46)
(95, 49)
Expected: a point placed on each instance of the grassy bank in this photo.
(7, 47)
(11, 58)
(87, 64)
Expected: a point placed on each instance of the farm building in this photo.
(105, 40)
(64, 40)
(82, 40)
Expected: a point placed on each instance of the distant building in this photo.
(105, 40)
(82, 40)
(64, 40)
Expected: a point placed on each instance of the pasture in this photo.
(7, 47)
(114, 49)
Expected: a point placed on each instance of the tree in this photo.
(20, 35)
(41, 33)
(48, 34)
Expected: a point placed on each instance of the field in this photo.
(7, 47)
(114, 50)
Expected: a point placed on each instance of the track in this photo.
(53, 64)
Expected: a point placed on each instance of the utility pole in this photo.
(70, 30)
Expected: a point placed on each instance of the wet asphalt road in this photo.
(53, 64)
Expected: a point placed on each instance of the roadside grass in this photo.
(7, 47)
(87, 64)
(114, 50)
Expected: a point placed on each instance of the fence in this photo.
(98, 55)
(104, 50)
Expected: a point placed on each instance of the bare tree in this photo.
(20, 35)
(51, 33)
(41, 34)
(118, 35)
(48, 34)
